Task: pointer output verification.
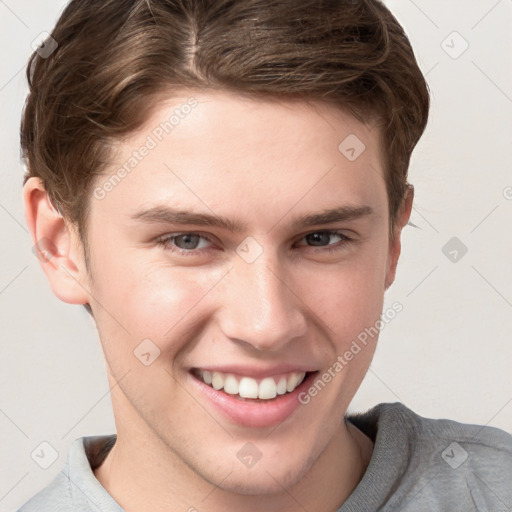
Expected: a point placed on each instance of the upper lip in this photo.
(256, 372)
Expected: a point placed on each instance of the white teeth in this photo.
(247, 387)
(294, 381)
(281, 386)
(217, 380)
(231, 385)
(267, 389)
(207, 377)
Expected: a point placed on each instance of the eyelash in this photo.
(165, 240)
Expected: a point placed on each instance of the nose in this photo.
(260, 306)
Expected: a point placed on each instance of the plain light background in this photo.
(448, 354)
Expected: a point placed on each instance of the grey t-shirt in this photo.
(417, 465)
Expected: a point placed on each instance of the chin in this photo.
(260, 482)
(272, 477)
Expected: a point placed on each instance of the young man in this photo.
(223, 185)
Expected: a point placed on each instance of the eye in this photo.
(190, 244)
(321, 240)
(186, 244)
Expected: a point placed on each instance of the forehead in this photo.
(212, 150)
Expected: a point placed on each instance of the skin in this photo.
(263, 163)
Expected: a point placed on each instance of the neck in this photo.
(146, 476)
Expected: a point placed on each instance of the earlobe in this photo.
(395, 245)
(56, 244)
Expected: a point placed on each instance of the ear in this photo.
(395, 244)
(56, 245)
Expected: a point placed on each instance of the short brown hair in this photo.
(115, 57)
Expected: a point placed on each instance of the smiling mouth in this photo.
(248, 388)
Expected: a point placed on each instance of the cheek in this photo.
(163, 301)
(348, 297)
(143, 299)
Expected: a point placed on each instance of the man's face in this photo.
(275, 298)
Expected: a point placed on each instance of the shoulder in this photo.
(437, 463)
(55, 497)
(429, 432)
(478, 445)
(472, 464)
(75, 487)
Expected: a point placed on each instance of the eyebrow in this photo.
(168, 215)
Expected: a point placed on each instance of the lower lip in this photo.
(249, 413)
